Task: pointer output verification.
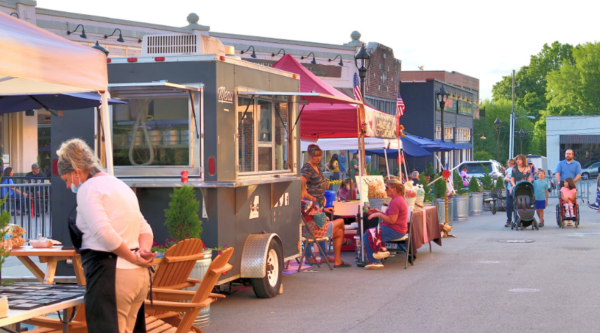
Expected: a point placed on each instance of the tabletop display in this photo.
(27, 297)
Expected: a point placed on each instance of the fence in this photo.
(28, 202)
(583, 189)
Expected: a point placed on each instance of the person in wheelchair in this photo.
(568, 198)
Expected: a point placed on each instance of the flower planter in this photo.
(451, 208)
(461, 208)
(334, 188)
(200, 268)
(476, 203)
(441, 208)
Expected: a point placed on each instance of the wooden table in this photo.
(19, 316)
(50, 257)
(425, 228)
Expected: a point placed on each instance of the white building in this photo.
(580, 133)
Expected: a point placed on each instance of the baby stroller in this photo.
(524, 206)
(560, 214)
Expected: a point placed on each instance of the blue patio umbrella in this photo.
(16, 103)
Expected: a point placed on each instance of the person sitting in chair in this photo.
(394, 224)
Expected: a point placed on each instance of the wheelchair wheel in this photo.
(558, 216)
(577, 218)
(494, 207)
(519, 224)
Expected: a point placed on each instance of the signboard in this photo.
(318, 70)
(380, 125)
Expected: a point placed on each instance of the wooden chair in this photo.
(171, 321)
(172, 273)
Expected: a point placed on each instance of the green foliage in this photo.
(4, 221)
(429, 170)
(473, 185)
(374, 172)
(500, 182)
(502, 109)
(426, 188)
(573, 87)
(458, 183)
(182, 215)
(439, 187)
(482, 156)
(487, 180)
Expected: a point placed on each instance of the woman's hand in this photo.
(374, 215)
(328, 210)
(144, 262)
(373, 211)
(147, 254)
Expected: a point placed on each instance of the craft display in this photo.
(376, 193)
(420, 195)
(17, 236)
(27, 297)
(410, 194)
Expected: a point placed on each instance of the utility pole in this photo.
(511, 149)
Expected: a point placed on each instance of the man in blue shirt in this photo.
(342, 159)
(568, 168)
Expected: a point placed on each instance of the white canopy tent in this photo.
(35, 61)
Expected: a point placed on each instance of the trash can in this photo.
(329, 198)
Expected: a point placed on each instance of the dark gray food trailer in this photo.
(230, 124)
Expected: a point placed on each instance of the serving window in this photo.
(158, 131)
(263, 134)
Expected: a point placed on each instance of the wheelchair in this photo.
(560, 214)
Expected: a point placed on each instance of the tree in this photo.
(574, 88)
(181, 218)
(482, 156)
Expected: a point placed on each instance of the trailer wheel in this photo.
(268, 286)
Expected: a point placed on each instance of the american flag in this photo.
(400, 107)
(357, 94)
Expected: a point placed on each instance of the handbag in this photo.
(74, 232)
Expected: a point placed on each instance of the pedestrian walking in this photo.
(568, 168)
(540, 188)
(509, 201)
(343, 159)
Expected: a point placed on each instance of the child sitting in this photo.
(568, 194)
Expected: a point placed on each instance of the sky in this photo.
(482, 39)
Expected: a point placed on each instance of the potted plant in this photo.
(487, 181)
(439, 192)
(429, 172)
(475, 197)
(334, 185)
(460, 199)
(423, 181)
(500, 183)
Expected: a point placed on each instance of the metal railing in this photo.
(583, 189)
(29, 206)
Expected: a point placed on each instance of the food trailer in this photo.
(230, 126)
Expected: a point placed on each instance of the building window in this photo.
(449, 133)
(463, 134)
(271, 128)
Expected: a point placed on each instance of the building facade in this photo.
(24, 138)
(423, 117)
(579, 133)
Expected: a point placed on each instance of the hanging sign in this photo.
(379, 124)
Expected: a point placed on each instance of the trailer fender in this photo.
(254, 254)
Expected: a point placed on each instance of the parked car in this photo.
(475, 168)
(591, 171)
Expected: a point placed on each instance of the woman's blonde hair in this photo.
(75, 154)
(396, 184)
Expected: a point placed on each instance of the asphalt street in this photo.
(473, 283)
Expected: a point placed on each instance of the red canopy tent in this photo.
(323, 119)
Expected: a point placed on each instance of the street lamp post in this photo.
(362, 60)
(522, 135)
(442, 95)
(497, 124)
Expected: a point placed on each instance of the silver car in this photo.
(475, 168)
(591, 171)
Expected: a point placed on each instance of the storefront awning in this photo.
(467, 145)
(310, 97)
(574, 139)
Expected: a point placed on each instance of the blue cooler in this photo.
(330, 198)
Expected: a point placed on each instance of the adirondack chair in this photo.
(195, 302)
(172, 273)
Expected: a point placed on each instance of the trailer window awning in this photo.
(142, 89)
(310, 97)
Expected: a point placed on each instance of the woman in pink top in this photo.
(394, 222)
(568, 194)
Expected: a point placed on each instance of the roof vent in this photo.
(165, 45)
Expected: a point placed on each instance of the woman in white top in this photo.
(115, 244)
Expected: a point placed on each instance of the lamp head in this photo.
(442, 94)
(362, 59)
(97, 46)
